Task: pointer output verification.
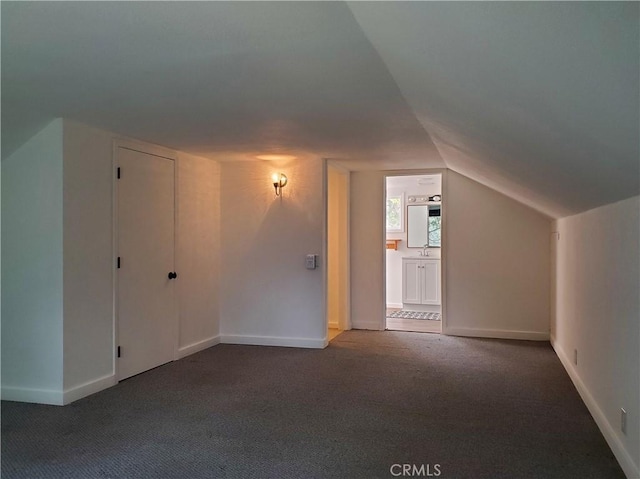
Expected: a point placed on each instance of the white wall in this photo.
(198, 252)
(597, 313)
(497, 263)
(59, 187)
(88, 256)
(88, 260)
(338, 248)
(394, 274)
(333, 247)
(344, 320)
(367, 218)
(32, 279)
(495, 251)
(267, 295)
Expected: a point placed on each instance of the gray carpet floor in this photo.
(477, 408)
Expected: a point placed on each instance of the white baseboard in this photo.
(88, 388)
(39, 396)
(274, 341)
(333, 325)
(629, 467)
(496, 333)
(198, 346)
(369, 325)
(394, 305)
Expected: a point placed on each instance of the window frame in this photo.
(401, 215)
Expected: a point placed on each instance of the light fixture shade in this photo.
(279, 181)
(283, 180)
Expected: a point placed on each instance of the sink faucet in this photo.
(425, 249)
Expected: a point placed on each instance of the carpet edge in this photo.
(625, 460)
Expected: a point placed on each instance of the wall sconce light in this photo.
(279, 182)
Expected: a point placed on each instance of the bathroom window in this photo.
(434, 226)
(395, 219)
(434, 231)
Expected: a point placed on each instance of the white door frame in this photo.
(443, 247)
(345, 317)
(155, 151)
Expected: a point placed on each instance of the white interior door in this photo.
(146, 302)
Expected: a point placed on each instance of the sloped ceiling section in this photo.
(228, 81)
(539, 100)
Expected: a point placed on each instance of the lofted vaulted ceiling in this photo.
(222, 80)
(537, 100)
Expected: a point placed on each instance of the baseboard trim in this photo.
(90, 387)
(274, 341)
(496, 333)
(198, 346)
(38, 396)
(394, 305)
(369, 325)
(333, 325)
(629, 467)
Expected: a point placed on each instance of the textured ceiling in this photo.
(538, 100)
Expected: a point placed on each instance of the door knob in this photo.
(173, 275)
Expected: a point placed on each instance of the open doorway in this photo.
(338, 289)
(413, 253)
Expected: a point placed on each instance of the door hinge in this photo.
(118, 351)
(118, 172)
(118, 262)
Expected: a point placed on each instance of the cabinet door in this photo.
(430, 282)
(411, 284)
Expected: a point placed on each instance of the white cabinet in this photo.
(420, 281)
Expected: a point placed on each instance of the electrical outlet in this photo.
(575, 357)
(623, 421)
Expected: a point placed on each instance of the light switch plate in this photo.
(310, 261)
